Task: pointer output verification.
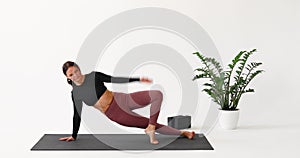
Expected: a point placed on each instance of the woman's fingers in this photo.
(144, 79)
(70, 139)
(149, 80)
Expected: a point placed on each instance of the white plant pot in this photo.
(229, 119)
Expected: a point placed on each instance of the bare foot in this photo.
(150, 131)
(188, 134)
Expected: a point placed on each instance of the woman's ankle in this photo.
(150, 127)
(181, 133)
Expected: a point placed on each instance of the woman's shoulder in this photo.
(97, 73)
(94, 74)
(91, 73)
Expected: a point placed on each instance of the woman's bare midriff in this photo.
(104, 101)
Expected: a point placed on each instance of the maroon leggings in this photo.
(120, 110)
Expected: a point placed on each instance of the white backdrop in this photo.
(38, 36)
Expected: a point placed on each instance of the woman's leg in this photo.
(143, 98)
(121, 112)
(132, 119)
(135, 120)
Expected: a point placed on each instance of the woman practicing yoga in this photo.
(90, 89)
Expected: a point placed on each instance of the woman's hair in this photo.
(65, 68)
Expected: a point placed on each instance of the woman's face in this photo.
(74, 74)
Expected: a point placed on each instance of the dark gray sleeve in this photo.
(77, 106)
(101, 77)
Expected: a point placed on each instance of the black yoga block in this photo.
(180, 122)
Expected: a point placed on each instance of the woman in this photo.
(90, 89)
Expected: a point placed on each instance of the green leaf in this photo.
(208, 84)
(201, 70)
(205, 75)
(248, 90)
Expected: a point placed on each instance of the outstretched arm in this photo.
(99, 76)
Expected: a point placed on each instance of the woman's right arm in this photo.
(77, 106)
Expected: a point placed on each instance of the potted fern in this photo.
(226, 87)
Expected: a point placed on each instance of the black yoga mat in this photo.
(121, 142)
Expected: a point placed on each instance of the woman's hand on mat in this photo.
(67, 139)
(145, 80)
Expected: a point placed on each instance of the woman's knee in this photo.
(156, 94)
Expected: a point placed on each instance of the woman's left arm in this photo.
(99, 76)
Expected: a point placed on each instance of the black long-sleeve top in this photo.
(90, 91)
